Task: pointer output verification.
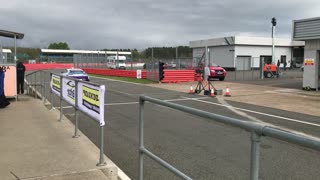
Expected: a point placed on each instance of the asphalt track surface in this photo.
(200, 148)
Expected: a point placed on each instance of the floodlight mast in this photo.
(274, 23)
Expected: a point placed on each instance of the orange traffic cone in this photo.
(212, 93)
(227, 92)
(191, 90)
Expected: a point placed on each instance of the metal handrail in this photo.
(42, 83)
(257, 130)
(77, 109)
(33, 83)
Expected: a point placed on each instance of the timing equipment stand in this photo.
(200, 86)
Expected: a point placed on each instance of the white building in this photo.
(244, 53)
(308, 30)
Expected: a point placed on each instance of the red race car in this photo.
(217, 72)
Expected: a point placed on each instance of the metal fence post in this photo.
(235, 68)
(76, 111)
(35, 81)
(44, 87)
(91, 65)
(243, 70)
(261, 68)
(61, 110)
(141, 137)
(252, 68)
(41, 83)
(44, 84)
(101, 159)
(44, 92)
(27, 83)
(51, 97)
(255, 156)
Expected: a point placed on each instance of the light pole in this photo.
(274, 23)
(209, 62)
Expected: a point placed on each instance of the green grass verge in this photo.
(141, 81)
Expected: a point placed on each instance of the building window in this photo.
(283, 59)
(266, 59)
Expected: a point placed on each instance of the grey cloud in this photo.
(141, 23)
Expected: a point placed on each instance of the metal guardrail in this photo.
(257, 130)
(77, 109)
(32, 83)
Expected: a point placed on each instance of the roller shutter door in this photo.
(243, 63)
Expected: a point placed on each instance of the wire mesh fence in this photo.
(90, 61)
(244, 68)
(251, 68)
(102, 61)
(152, 66)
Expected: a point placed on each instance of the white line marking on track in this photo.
(116, 80)
(129, 103)
(115, 104)
(256, 112)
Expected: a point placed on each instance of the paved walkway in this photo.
(35, 145)
(295, 100)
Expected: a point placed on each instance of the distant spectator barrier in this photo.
(35, 67)
(257, 131)
(169, 75)
(115, 72)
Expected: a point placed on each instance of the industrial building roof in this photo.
(11, 34)
(243, 40)
(61, 51)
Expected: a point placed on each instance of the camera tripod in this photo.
(201, 86)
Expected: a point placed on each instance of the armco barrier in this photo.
(34, 67)
(115, 72)
(258, 131)
(172, 76)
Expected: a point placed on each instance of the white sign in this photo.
(139, 73)
(69, 90)
(91, 100)
(55, 84)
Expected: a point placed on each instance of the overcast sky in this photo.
(98, 24)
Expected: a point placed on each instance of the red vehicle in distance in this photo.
(217, 72)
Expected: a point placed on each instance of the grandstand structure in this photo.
(73, 56)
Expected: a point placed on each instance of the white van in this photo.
(115, 62)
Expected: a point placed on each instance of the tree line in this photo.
(25, 54)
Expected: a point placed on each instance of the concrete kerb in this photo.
(110, 170)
